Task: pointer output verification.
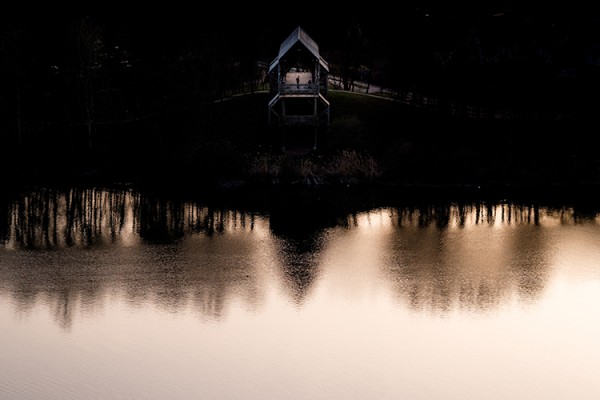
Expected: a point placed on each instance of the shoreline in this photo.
(369, 194)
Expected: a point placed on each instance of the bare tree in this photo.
(89, 48)
(350, 55)
(11, 46)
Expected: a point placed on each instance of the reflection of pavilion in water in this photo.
(300, 220)
(175, 253)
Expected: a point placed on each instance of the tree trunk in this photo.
(19, 128)
(89, 107)
(89, 47)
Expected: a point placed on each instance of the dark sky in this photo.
(412, 32)
(173, 21)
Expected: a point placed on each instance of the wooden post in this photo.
(282, 125)
(315, 122)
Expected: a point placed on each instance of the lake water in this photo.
(111, 294)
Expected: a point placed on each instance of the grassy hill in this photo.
(371, 140)
(375, 140)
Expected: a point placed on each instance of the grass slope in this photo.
(370, 140)
(376, 140)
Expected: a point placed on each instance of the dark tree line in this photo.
(88, 71)
(76, 83)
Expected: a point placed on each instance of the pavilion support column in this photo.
(283, 124)
(315, 122)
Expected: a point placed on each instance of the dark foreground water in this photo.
(112, 295)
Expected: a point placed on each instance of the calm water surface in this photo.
(114, 295)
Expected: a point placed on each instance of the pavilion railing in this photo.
(301, 88)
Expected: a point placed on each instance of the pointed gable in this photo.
(299, 35)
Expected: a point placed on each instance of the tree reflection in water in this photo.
(455, 255)
(75, 249)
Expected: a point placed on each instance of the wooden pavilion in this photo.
(298, 79)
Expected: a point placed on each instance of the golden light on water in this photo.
(434, 302)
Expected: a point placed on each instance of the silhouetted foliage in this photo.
(113, 94)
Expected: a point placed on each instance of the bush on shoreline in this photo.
(341, 167)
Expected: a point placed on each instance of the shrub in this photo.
(350, 166)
